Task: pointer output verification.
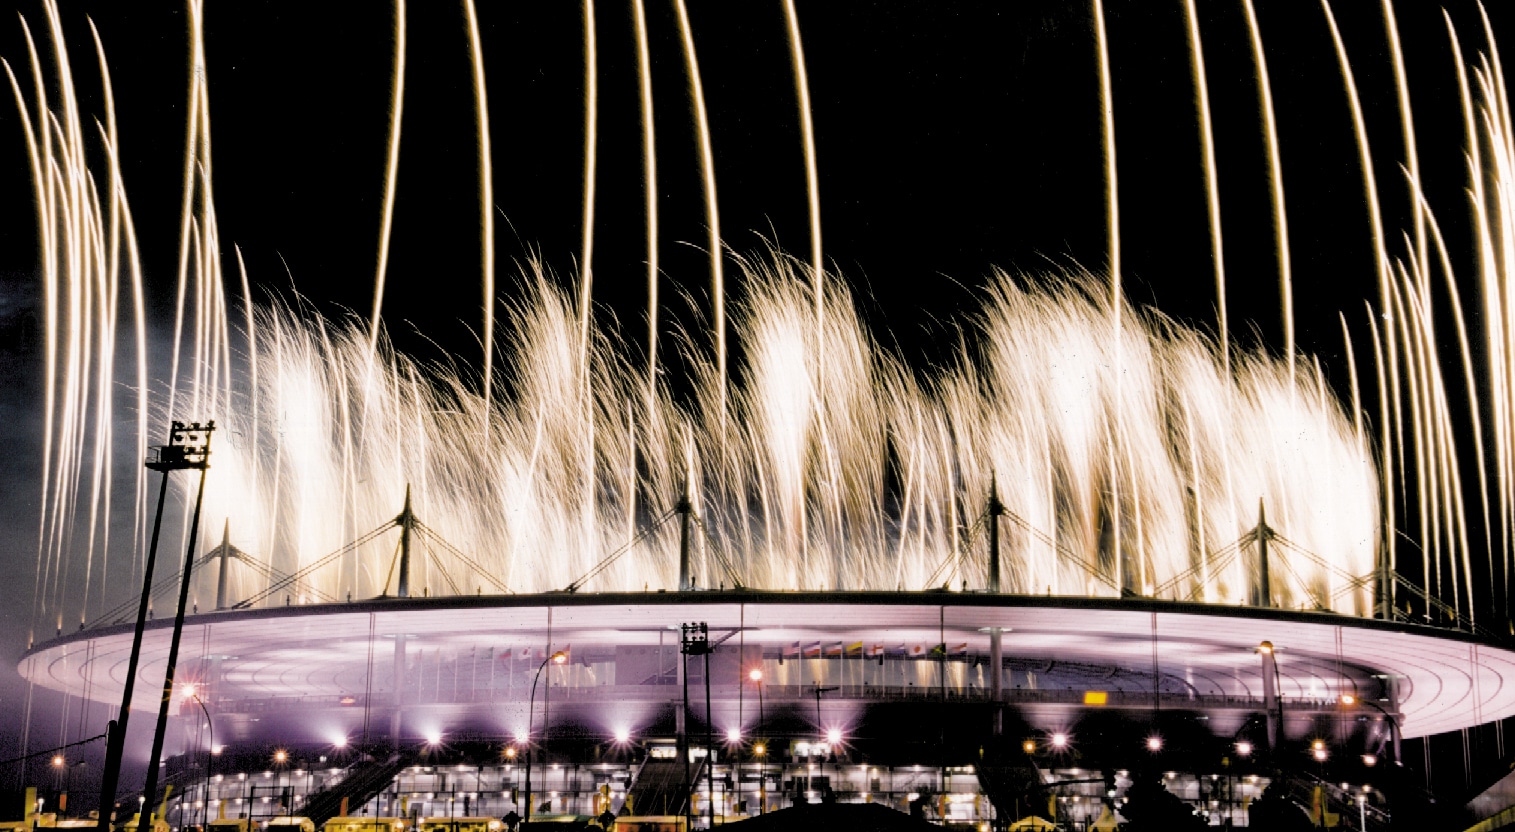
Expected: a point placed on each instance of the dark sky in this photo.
(952, 138)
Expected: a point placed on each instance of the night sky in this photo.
(952, 138)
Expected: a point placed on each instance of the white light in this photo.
(622, 735)
(433, 738)
(341, 742)
(834, 736)
(1154, 743)
(1059, 740)
(733, 735)
(1244, 748)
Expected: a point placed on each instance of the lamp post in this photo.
(759, 748)
(192, 693)
(556, 658)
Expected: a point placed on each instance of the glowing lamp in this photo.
(833, 736)
(1154, 743)
(622, 735)
(1244, 749)
(559, 657)
(733, 735)
(1059, 740)
(756, 674)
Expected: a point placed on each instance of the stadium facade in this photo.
(971, 706)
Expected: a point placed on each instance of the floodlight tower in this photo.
(188, 449)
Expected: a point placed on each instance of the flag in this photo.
(875, 650)
(855, 649)
(959, 649)
(813, 650)
(897, 651)
(834, 649)
(792, 649)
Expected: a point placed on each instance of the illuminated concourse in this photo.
(886, 697)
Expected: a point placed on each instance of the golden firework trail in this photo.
(1131, 451)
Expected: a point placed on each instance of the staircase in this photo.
(360, 782)
(659, 787)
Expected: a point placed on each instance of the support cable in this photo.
(1067, 553)
(1211, 564)
(613, 556)
(280, 586)
(432, 536)
(442, 569)
(954, 558)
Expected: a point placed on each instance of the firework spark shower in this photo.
(1131, 450)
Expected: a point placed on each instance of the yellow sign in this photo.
(1096, 697)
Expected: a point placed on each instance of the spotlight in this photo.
(1348, 699)
(57, 761)
(189, 691)
(733, 735)
(1370, 760)
(759, 749)
(341, 742)
(281, 756)
(433, 738)
(834, 736)
(1029, 746)
(756, 674)
(1154, 743)
(1059, 740)
(1266, 648)
(1244, 749)
(510, 753)
(622, 735)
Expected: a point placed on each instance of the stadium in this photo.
(420, 706)
(1071, 559)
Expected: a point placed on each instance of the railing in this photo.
(790, 693)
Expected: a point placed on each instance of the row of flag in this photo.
(537, 653)
(859, 649)
(810, 650)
